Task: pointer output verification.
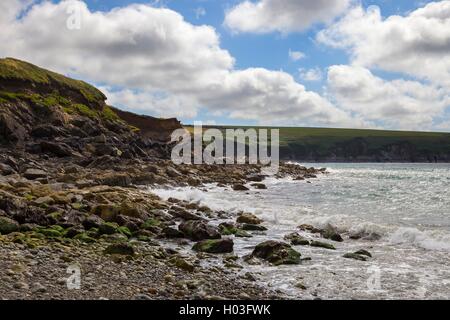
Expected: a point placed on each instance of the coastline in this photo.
(65, 215)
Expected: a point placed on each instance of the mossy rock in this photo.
(296, 239)
(320, 244)
(125, 231)
(8, 225)
(84, 237)
(108, 228)
(182, 264)
(120, 249)
(228, 229)
(214, 246)
(150, 223)
(50, 232)
(277, 253)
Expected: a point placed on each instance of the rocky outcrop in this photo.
(43, 112)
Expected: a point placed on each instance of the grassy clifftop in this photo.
(14, 70)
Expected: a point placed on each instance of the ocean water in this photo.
(408, 205)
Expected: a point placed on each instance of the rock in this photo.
(84, 237)
(8, 225)
(322, 245)
(253, 227)
(240, 187)
(199, 230)
(107, 212)
(92, 221)
(171, 172)
(120, 249)
(228, 229)
(309, 228)
(276, 253)
(248, 218)
(133, 210)
(172, 233)
(364, 253)
(33, 174)
(355, 256)
(58, 149)
(255, 177)
(179, 212)
(182, 264)
(260, 186)
(108, 228)
(364, 235)
(44, 201)
(117, 180)
(331, 233)
(73, 231)
(214, 246)
(6, 170)
(38, 288)
(296, 239)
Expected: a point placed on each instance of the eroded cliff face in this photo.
(44, 112)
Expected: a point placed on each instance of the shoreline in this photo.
(56, 218)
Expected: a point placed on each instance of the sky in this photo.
(379, 64)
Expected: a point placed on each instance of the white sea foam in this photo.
(421, 239)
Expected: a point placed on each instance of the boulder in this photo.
(33, 174)
(120, 249)
(260, 186)
(58, 149)
(248, 218)
(199, 230)
(331, 233)
(107, 212)
(253, 227)
(296, 240)
(108, 228)
(8, 225)
(172, 233)
(228, 229)
(117, 180)
(214, 246)
(322, 245)
(240, 187)
(355, 256)
(276, 253)
(92, 221)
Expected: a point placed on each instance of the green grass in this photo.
(13, 69)
(322, 139)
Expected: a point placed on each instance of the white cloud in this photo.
(296, 55)
(396, 104)
(417, 44)
(199, 12)
(160, 64)
(314, 74)
(265, 16)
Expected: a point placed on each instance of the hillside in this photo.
(45, 112)
(356, 145)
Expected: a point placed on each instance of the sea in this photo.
(402, 210)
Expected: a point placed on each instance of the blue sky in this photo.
(356, 66)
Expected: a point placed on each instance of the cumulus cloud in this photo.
(265, 16)
(417, 44)
(394, 104)
(151, 60)
(296, 55)
(314, 74)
